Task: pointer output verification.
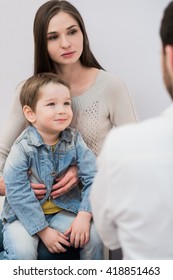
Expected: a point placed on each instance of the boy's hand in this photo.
(53, 240)
(79, 230)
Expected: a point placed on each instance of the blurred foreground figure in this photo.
(132, 195)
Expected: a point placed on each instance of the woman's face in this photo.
(64, 39)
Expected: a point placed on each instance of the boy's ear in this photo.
(29, 114)
(169, 58)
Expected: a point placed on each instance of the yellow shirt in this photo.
(50, 208)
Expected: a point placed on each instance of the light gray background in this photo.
(124, 36)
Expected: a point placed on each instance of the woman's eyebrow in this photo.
(74, 25)
(68, 28)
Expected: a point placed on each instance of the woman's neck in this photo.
(70, 73)
(79, 77)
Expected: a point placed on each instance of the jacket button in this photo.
(53, 174)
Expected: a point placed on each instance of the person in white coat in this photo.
(132, 194)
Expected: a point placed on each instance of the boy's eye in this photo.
(67, 103)
(51, 104)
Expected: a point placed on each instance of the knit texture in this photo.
(105, 104)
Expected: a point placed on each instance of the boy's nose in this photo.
(60, 110)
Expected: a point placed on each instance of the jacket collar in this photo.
(35, 139)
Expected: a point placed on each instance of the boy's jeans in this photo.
(1, 238)
(20, 245)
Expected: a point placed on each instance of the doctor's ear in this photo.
(169, 57)
(29, 114)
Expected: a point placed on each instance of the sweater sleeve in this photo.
(14, 125)
(119, 102)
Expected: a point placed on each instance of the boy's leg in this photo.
(1, 242)
(18, 243)
(44, 254)
(1, 236)
(61, 221)
(93, 250)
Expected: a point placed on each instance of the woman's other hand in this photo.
(65, 183)
(39, 190)
(2, 186)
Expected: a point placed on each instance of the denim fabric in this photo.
(20, 245)
(29, 152)
(1, 236)
(2, 255)
(43, 253)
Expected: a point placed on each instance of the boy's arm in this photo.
(86, 164)
(79, 230)
(20, 195)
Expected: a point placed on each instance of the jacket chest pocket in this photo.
(66, 160)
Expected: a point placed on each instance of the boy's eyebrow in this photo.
(69, 98)
(53, 98)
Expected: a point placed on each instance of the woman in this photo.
(100, 101)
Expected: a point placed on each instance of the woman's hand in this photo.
(66, 183)
(2, 186)
(39, 190)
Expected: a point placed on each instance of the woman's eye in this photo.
(72, 32)
(53, 37)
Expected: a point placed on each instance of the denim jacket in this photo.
(30, 153)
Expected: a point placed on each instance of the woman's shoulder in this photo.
(108, 77)
(111, 83)
(19, 87)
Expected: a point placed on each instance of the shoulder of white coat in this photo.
(134, 138)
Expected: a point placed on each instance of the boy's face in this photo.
(53, 111)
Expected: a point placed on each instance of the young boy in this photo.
(48, 147)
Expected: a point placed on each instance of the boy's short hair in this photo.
(30, 90)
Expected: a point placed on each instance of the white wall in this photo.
(124, 36)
